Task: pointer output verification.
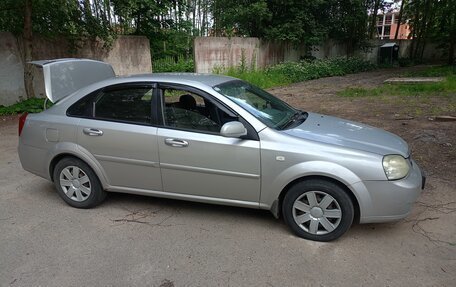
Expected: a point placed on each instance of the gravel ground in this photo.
(144, 241)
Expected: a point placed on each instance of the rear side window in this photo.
(126, 104)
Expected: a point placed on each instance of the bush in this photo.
(434, 71)
(291, 72)
(33, 105)
(309, 70)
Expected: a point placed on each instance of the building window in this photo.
(388, 19)
(387, 31)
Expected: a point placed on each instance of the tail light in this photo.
(22, 119)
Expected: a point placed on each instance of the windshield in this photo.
(268, 109)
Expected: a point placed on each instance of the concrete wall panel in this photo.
(221, 53)
(11, 70)
(213, 53)
(127, 55)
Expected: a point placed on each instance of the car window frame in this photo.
(251, 132)
(115, 87)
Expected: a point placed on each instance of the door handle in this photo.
(92, 132)
(176, 143)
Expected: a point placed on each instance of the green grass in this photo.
(292, 72)
(420, 99)
(171, 64)
(263, 79)
(445, 88)
(33, 105)
(436, 71)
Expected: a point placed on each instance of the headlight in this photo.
(395, 166)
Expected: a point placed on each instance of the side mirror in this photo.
(233, 130)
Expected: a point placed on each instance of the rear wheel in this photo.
(318, 210)
(77, 184)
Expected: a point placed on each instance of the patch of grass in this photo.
(418, 99)
(263, 79)
(33, 105)
(445, 88)
(436, 71)
(292, 72)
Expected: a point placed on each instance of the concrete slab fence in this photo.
(131, 55)
(212, 54)
(127, 55)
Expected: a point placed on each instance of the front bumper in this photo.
(389, 200)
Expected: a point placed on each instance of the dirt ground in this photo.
(145, 241)
(433, 142)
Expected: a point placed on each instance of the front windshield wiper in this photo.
(297, 117)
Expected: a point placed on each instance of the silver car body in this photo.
(134, 159)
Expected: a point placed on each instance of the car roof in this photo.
(210, 80)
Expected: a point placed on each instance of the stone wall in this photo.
(127, 55)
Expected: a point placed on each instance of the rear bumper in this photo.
(390, 200)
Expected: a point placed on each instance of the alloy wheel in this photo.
(75, 183)
(317, 212)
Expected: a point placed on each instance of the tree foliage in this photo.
(171, 24)
(54, 17)
(299, 21)
(432, 21)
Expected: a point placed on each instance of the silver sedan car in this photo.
(213, 139)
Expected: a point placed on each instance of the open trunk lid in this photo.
(62, 77)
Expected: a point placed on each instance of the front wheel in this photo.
(77, 184)
(318, 210)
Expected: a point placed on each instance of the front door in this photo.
(196, 160)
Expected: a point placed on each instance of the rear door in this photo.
(195, 159)
(116, 128)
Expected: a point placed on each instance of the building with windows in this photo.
(388, 23)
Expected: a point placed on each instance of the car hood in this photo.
(332, 130)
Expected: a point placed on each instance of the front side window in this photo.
(184, 109)
(268, 109)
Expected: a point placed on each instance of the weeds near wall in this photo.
(243, 63)
(173, 64)
(291, 72)
(33, 105)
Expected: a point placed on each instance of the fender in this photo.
(79, 152)
(271, 190)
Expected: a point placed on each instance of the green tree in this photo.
(432, 21)
(299, 21)
(240, 18)
(444, 27)
(348, 23)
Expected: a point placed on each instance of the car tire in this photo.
(318, 210)
(77, 184)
